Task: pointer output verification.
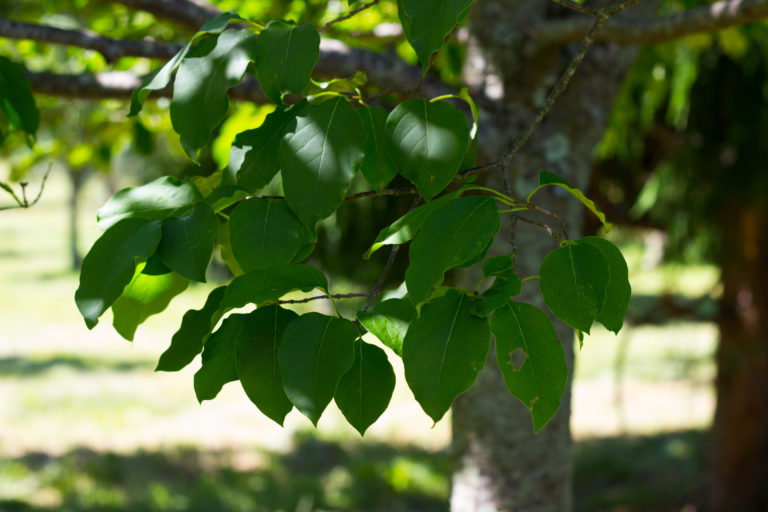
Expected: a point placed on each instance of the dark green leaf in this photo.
(155, 266)
(265, 233)
(427, 143)
(286, 56)
(200, 100)
(219, 358)
(619, 290)
(547, 179)
(318, 156)
(196, 326)
(377, 166)
(365, 390)
(17, 105)
(110, 264)
(316, 350)
(145, 295)
(452, 236)
(444, 350)
(531, 359)
(164, 197)
(389, 322)
(257, 364)
(187, 242)
(501, 266)
(426, 23)
(498, 295)
(263, 286)
(225, 250)
(573, 281)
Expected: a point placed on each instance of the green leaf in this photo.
(155, 267)
(618, 291)
(498, 295)
(548, 179)
(501, 266)
(316, 350)
(145, 295)
(365, 390)
(187, 242)
(17, 105)
(219, 358)
(453, 236)
(573, 282)
(196, 326)
(427, 143)
(159, 199)
(389, 322)
(263, 286)
(286, 57)
(426, 23)
(200, 100)
(110, 264)
(444, 350)
(257, 363)
(318, 156)
(265, 233)
(253, 160)
(377, 166)
(160, 78)
(406, 227)
(531, 359)
(225, 250)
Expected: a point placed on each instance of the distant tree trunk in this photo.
(76, 178)
(740, 433)
(500, 464)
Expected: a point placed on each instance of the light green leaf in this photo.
(17, 105)
(618, 291)
(531, 359)
(196, 326)
(263, 286)
(315, 351)
(200, 100)
(573, 282)
(257, 363)
(548, 179)
(187, 242)
(145, 295)
(110, 264)
(427, 143)
(158, 199)
(365, 390)
(426, 23)
(444, 350)
(219, 358)
(453, 236)
(389, 322)
(318, 156)
(286, 57)
(225, 250)
(377, 166)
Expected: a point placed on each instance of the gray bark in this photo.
(501, 465)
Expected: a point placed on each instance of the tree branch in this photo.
(188, 14)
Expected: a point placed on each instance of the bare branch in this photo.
(329, 297)
(348, 15)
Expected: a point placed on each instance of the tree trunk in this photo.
(500, 464)
(740, 432)
(76, 183)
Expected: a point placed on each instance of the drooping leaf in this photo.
(426, 23)
(253, 160)
(219, 358)
(319, 155)
(187, 242)
(365, 390)
(573, 282)
(453, 236)
(155, 267)
(286, 57)
(17, 105)
(200, 100)
(335, 87)
(265, 233)
(257, 363)
(427, 142)
(618, 291)
(196, 326)
(145, 295)
(158, 199)
(444, 350)
(531, 359)
(263, 286)
(549, 179)
(498, 295)
(110, 265)
(389, 322)
(315, 351)
(377, 166)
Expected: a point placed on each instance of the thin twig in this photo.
(569, 4)
(349, 15)
(319, 297)
(538, 224)
(24, 203)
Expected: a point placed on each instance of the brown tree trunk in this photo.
(740, 432)
(501, 465)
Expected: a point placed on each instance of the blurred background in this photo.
(85, 423)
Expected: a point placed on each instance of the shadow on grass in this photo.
(26, 367)
(659, 473)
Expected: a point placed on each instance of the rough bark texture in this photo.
(500, 464)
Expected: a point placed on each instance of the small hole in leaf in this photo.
(517, 358)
